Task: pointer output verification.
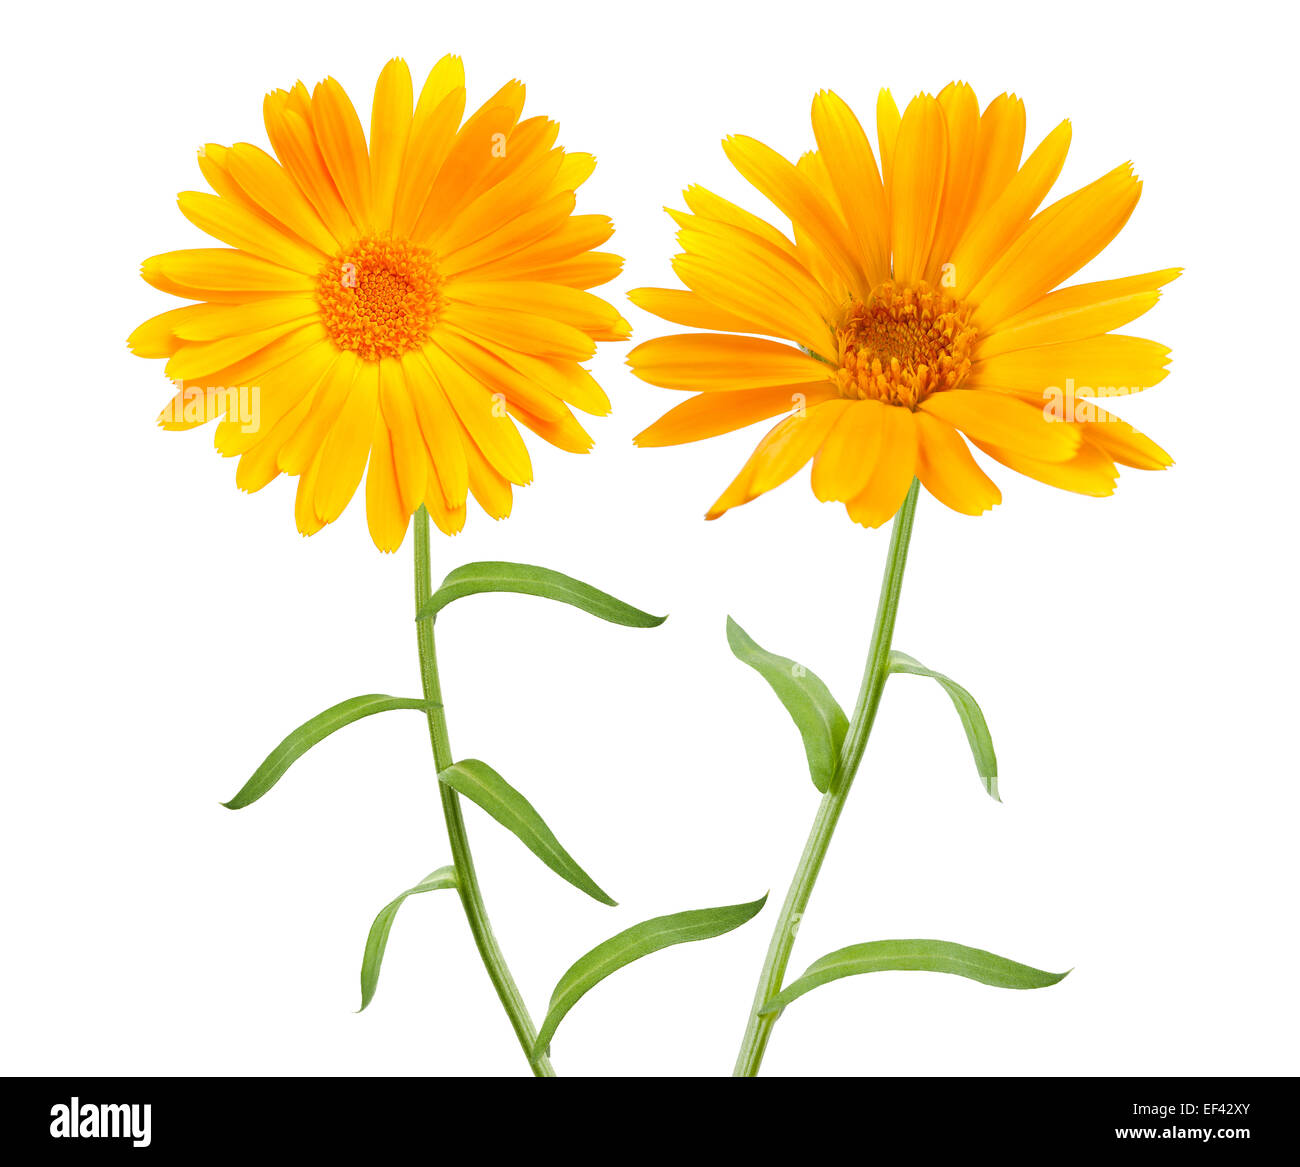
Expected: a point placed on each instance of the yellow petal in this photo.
(304, 506)
(562, 244)
(231, 223)
(893, 473)
(564, 431)
(214, 163)
(784, 451)
(998, 148)
(1089, 471)
(444, 79)
(848, 456)
(568, 380)
(1007, 217)
(946, 469)
(385, 515)
(581, 310)
(1004, 421)
(521, 331)
(710, 414)
(705, 204)
(410, 457)
(852, 169)
(961, 114)
(916, 191)
(811, 255)
(157, 336)
(443, 435)
(505, 253)
(250, 371)
(390, 126)
(258, 466)
(526, 189)
(749, 277)
(490, 489)
(799, 200)
(449, 520)
(346, 450)
(433, 132)
(1101, 366)
(192, 361)
(472, 160)
(1077, 313)
(575, 168)
(492, 370)
(1057, 242)
(689, 308)
(288, 125)
(275, 394)
(1120, 441)
(207, 273)
(275, 194)
(888, 122)
(723, 362)
(343, 146)
(216, 321)
(483, 414)
(583, 271)
(334, 388)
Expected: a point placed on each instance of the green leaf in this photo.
(377, 941)
(915, 956)
(535, 581)
(481, 784)
(632, 944)
(972, 718)
(817, 715)
(308, 734)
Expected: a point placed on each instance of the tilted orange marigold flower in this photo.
(396, 305)
(920, 296)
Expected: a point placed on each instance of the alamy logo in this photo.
(101, 1120)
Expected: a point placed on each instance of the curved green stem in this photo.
(471, 896)
(772, 978)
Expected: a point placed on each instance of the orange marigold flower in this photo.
(914, 310)
(398, 305)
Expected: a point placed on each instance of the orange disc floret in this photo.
(901, 345)
(380, 297)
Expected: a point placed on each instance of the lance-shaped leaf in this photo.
(817, 715)
(377, 941)
(972, 718)
(309, 733)
(915, 956)
(632, 944)
(534, 581)
(481, 784)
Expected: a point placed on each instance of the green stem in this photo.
(772, 978)
(471, 897)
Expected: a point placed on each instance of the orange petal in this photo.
(894, 470)
(784, 451)
(946, 469)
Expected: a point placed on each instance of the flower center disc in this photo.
(901, 345)
(379, 297)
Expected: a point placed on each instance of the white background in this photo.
(1134, 656)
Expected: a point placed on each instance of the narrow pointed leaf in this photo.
(915, 956)
(309, 733)
(481, 784)
(535, 581)
(632, 944)
(972, 718)
(377, 941)
(817, 715)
